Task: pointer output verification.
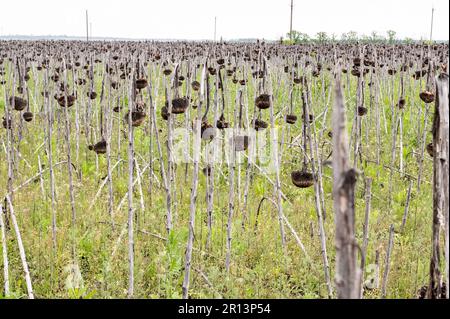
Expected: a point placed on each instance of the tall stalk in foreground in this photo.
(4, 253)
(22, 254)
(130, 191)
(192, 207)
(69, 163)
(344, 180)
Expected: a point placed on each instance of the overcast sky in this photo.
(194, 19)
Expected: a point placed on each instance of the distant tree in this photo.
(374, 35)
(375, 38)
(298, 37)
(322, 37)
(391, 36)
(293, 36)
(365, 38)
(304, 37)
(333, 37)
(350, 36)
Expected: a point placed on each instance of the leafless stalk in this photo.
(387, 266)
(161, 160)
(276, 163)
(231, 195)
(4, 253)
(405, 214)
(21, 249)
(130, 192)
(317, 192)
(440, 185)
(69, 162)
(41, 179)
(344, 180)
(365, 232)
(197, 141)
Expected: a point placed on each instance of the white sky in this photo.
(194, 19)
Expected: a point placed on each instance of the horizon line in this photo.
(78, 37)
